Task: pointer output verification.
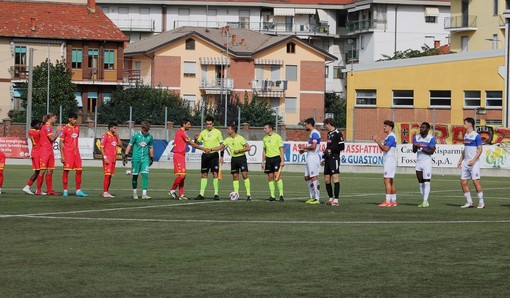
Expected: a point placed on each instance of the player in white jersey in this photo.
(469, 162)
(424, 145)
(313, 161)
(389, 148)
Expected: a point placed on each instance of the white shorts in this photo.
(468, 172)
(389, 167)
(425, 167)
(313, 165)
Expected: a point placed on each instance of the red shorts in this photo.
(47, 160)
(36, 162)
(72, 161)
(179, 164)
(109, 169)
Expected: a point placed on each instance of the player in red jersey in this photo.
(180, 141)
(70, 154)
(110, 144)
(34, 134)
(47, 159)
(2, 165)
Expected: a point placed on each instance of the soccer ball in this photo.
(234, 196)
(128, 172)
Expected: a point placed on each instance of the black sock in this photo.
(337, 189)
(329, 189)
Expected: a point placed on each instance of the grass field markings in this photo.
(419, 222)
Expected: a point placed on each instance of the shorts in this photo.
(109, 169)
(468, 172)
(425, 167)
(389, 168)
(313, 164)
(47, 160)
(36, 162)
(210, 162)
(332, 165)
(238, 164)
(140, 166)
(272, 164)
(179, 164)
(72, 161)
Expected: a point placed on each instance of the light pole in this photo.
(225, 80)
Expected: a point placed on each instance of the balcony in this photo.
(216, 86)
(135, 25)
(460, 23)
(19, 72)
(354, 27)
(352, 56)
(265, 27)
(131, 76)
(268, 88)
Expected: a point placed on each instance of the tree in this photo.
(336, 105)
(425, 51)
(256, 112)
(148, 104)
(61, 91)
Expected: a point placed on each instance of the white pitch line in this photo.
(267, 221)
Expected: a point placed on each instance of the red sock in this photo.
(1, 178)
(40, 180)
(78, 179)
(106, 183)
(177, 181)
(181, 186)
(65, 179)
(49, 182)
(30, 182)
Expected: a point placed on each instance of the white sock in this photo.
(480, 197)
(468, 197)
(144, 192)
(310, 188)
(426, 191)
(394, 198)
(134, 190)
(421, 188)
(316, 190)
(388, 198)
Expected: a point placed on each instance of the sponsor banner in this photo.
(14, 147)
(496, 156)
(361, 154)
(445, 156)
(86, 146)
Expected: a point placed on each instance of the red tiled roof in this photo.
(56, 21)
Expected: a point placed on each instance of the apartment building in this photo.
(79, 33)
(208, 65)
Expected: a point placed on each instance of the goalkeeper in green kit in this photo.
(142, 143)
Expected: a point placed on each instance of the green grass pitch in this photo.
(94, 247)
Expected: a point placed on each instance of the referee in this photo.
(331, 161)
(273, 160)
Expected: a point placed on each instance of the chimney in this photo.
(243, 42)
(437, 44)
(91, 6)
(32, 24)
(234, 39)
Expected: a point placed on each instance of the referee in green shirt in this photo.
(211, 139)
(273, 160)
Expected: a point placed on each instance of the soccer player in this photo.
(389, 148)
(70, 154)
(331, 161)
(2, 165)
(313, 161)
(180, 141)
(210, 137)
(110, 144)
(273, 160)
(469, 163)
(34, 134)
(238, 145)
(424, 145)
(47, 158)
(142, 143)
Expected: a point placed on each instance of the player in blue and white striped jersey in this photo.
(424, 145)
(313, 161)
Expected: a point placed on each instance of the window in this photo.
(430, 19)
(123, 10)
(494, 122)
(244, 19)
(145, 11)
(105, 9)
(107, 96)
(291, 105)
(337, 72)
(472, 99)
(495, 12)
(291, 72)
(275, 72)
(326, 71)
(190, 44)
(259, 72)
(109, 59)
(463, 44)
(183, 12)
(494, 99)
(404, 98)
(440, 98)
(190, 69)
(291, 48)
(289, 21)
(20, 56)
(366, 97)
(274, 103)
(92, 101)
(189, 100)
(79, 100)
(77, 58)
(93, 54)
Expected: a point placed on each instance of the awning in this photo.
(323, 16)
(268, 61)
(304, 11)
(17, 93)
(77, 95)
(284, 12)
(358, 8)
(92, 95)
(431, 11)
(214, 61)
